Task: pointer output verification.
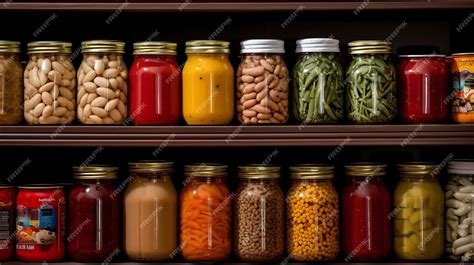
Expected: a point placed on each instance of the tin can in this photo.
(462, 96)
(40, 230)
(7, 222)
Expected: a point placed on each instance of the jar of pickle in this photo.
(208, 83)
(318, 94)
(93, 224)
(365, 208)
(11, 87)
(102, 84)
(151, 212)
(372, 91)
(50, 84)
(418, 213)
(460, 211)
(259, 209)
(312, 214)
(206, 213)
(262, 83)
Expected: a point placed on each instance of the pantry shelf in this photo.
(238, 263)
(231, 136)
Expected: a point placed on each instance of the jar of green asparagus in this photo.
(318, 82)
(371, 83)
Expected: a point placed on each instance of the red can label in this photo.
(7, 222)
(40, 224)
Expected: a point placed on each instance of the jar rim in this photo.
(95, 172)
(92, 46)
(7, 46)
(461, 166)
(422, 56)
(418, 169)
(370, 47)
(205, 170)
(262, 46)
(259, 171)
(365, 169)
(312, 171)
(150, 166)
(155, 48)
(35, 47)
(40, 186)
(207, 46)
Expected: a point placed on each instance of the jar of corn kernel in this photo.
(312, 214)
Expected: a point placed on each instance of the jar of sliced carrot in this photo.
(312, 214)
(205, 213)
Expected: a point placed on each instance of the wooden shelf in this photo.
(231, 136)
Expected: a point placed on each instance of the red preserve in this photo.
(40, 223)
(7, 222)
(366, 210)
(94, 214)
(423, 86)
(155, 84)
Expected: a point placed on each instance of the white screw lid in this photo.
(317, 45)
(262, 46)
(461, 166)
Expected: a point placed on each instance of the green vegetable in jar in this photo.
(318, 91)
(371, 90)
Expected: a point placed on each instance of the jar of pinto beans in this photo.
(262, 83)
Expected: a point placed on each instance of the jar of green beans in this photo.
(371, 83)
(318, 95)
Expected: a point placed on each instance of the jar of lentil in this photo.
(262, 82)
(318, 94)
(365, 208)
(206, 212)
(259, 209)
(312, 214)
(459, 211)
(102, 83)
(50, 84)
(418, 213)
(372, 91)
(11, 87)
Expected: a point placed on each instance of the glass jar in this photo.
(206, 213)
(93, 223)
(312, 214)
(7, 218)
(423, 88)
(462, 70)
(155, 84)
(208, 83)
(262, 83)
(372, 90)
(11, 86)
(318, 94)
(259, 209)
(460, 210)
(151, 212)
(418, 213)
(365, 210)
(50, 84)
(102, 83)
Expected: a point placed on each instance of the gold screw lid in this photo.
(150, 166)
(370, 47)
(257, 171)
(418, 169)
(49, 47)
(461, 54)
(9, 46)
(312, 171)
(95, 172)
(40, 187)
(365, 169)
(103, 46)
(154, 48)
(207, 46)
(205, 170)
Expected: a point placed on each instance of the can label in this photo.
(463, 84)
(5, 225)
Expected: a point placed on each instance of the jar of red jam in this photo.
(155, 84)
(94, 214)
(365, 211)
(7, 221)
(423, 85)
(40, 223)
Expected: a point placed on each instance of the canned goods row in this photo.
(50, 91)
(206, 221)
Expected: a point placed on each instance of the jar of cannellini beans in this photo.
(50, 85)
(102, 83)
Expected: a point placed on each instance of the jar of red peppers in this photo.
(423, 88)
(7, 220)
(155, 84)
(94, 214)
(366, 207)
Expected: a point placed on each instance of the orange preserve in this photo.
(205, 213)
(208, 83)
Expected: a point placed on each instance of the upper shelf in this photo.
(225, 136)
(195, 5)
